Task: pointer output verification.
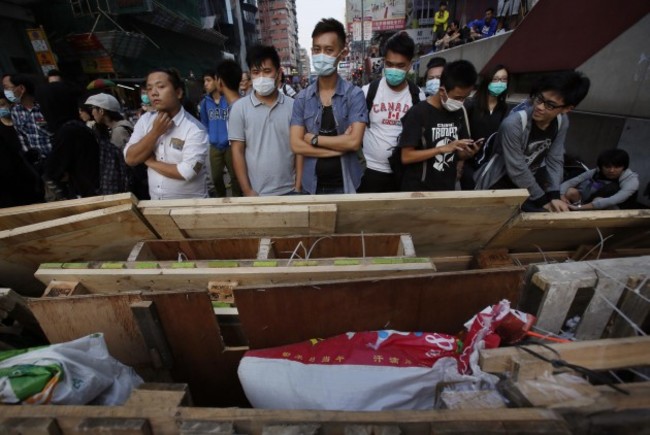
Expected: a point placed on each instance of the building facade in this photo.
(278, 26)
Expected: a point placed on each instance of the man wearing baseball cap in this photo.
(105, 110)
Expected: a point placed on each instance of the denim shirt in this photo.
(348, 106)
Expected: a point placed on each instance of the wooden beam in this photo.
(160, 395)
(30, 426)
(603, 354)
(13, 217)
(149, 323)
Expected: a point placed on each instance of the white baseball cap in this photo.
(104, 101)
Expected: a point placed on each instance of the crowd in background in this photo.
(253, 133)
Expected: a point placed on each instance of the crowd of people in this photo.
(330, 138)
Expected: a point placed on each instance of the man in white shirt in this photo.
(388, 99)
(171, 142)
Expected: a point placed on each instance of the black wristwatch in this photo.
(314, 140)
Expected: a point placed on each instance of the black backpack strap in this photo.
(372, 92)
(415, 92)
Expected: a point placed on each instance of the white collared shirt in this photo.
(185, 145)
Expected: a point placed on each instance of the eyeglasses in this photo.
(548, 105)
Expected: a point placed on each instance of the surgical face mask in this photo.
(145, 99)
(432, 86)
(5, 112)
(11, 96)
(324, 64)
(451, 105)
(497, 88)
(264, 85)
(394, 76)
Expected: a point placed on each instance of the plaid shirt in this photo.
(32, 129)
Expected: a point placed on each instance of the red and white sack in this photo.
(377, 370)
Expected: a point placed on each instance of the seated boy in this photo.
(610, 186)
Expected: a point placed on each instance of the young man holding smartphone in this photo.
(434, 133)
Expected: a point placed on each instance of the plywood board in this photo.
(159, 276)
(105, 234)
(453, 223)
(188, 323)
(442, 302)
(567, 231)
(13, 217)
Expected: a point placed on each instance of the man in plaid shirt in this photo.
(26, 115)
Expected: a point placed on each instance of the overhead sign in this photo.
(385, 15)
(421, 36)
(42, 50)
(130, 6)
(367, 30)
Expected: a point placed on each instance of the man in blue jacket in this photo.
(484, 28)
(214, 117)
(329, 118)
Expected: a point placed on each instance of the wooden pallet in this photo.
(590, 289)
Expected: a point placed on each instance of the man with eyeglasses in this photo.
(329, 118)
(529, 148)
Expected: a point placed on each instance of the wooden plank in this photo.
(603, 354)
(148, 321)
(197, 249)
(88, 236)
(596, 317)
(161, 395)
(167, 421)
(160, 219)
(406, 248)
(432, 218)
(30, 426)
(338, 245)
(322, 219)
(115, 426)
(242, 220)
(13, 217)
(65, 319)
(64, 288)
(283, 315)
(635, 306)
(570, 230)
(120, 280)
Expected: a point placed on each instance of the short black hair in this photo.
(443, 3)
(173, 74)
(572, 86)
(435, 62)
(458, 74)
(615, 157)
(259, 53)
(490, 10)
(24, 80)
(327, 25)
(209, 73)
(401, 43)
(230, 72)
(456, 22)
(54, 73)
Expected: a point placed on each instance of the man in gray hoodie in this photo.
(529, 148)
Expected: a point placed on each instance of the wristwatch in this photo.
(314, 140)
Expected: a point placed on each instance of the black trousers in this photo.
(377, 182)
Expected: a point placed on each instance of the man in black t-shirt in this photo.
(434, 133)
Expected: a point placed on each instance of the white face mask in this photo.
(432, 86)
(324, 64)
(11, 96)
(451, 105)
(264, 86)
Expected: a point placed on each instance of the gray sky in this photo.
(310, 12)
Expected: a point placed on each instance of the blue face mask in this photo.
(4, 112)
(394, 76)
(497, 88)
(11, 96)
(145, 99)
(432, 86)
(324, 64)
